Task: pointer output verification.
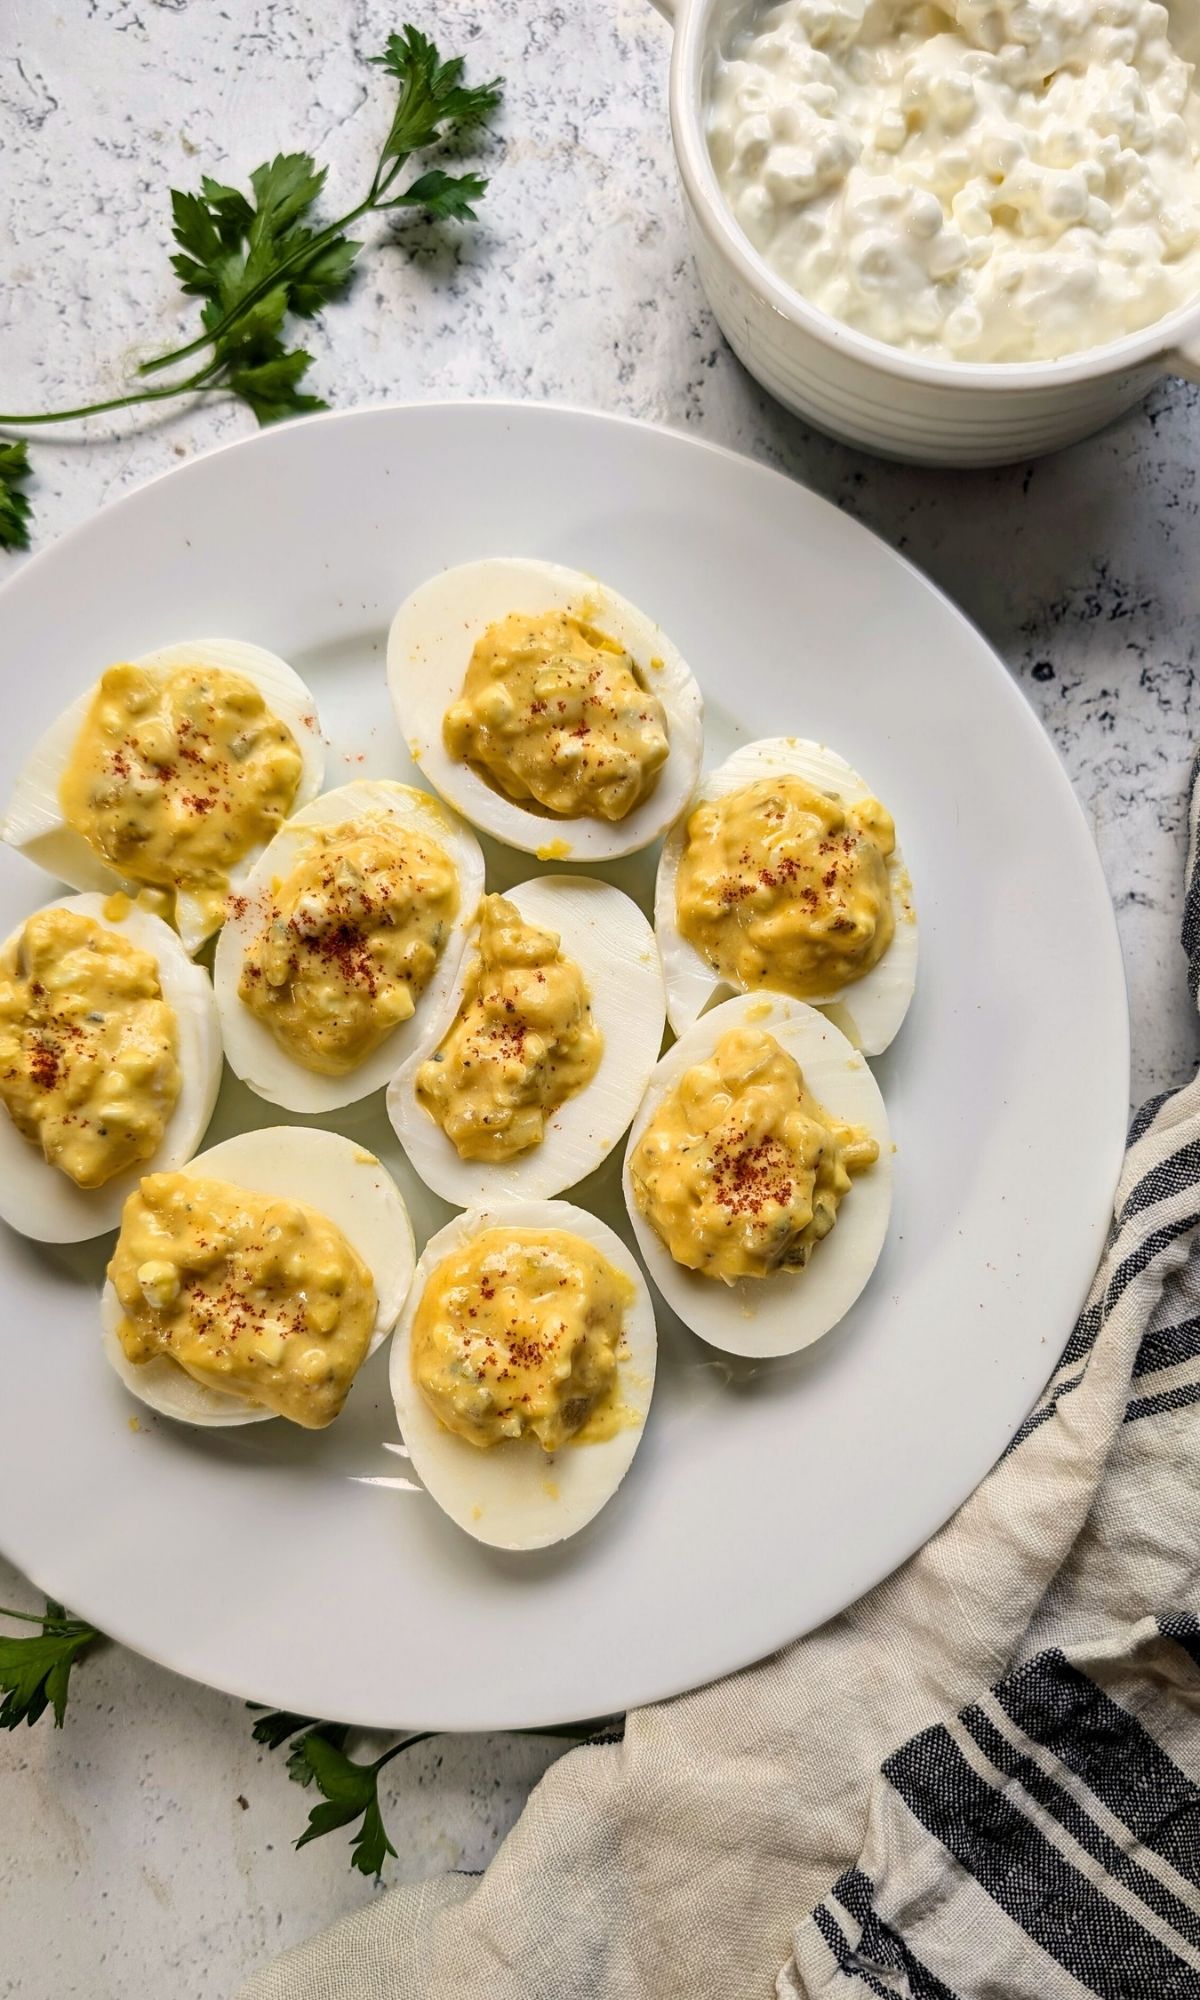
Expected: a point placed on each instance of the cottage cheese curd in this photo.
(997, 180)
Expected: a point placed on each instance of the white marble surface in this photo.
(145, 1849)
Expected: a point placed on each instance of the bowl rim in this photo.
(1161, 342)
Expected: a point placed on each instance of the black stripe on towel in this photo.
(1167, 1346)
(1190, 928)
(1041, 1416)
(1141, 1197)
(1012, 1762)
(883, 1948)
(1168, 1399)
(1106, 1746)
(1146, 1115)
(1090, 1321)
(1138, 1260)
(1088, 1325)
(847, 1960)
(1082, 1341)
(1089, 1935)
(1178, 1171)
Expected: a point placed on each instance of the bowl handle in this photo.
(666, 8)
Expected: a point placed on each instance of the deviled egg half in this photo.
(558, 1026)
(784, 874)
(110, 1060)
(256, 1281)
(552, 712)
(340, 952)
(522, 1370)
(169, 776)
(758, 1175)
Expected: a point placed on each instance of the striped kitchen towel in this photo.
(982, 1782)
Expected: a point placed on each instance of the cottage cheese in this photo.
(996, 180)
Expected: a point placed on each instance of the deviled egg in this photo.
(256, 1281)
(340, 952)
(170, 775)
(558, 1026)
(110, 1060)
(758, 1175)
(784, 874)
(552, 712)
(522, 1370)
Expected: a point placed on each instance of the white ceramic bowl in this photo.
(861, 390)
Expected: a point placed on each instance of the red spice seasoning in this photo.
(747, 1179)
(44, 1063)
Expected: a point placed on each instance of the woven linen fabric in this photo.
(982, 1780)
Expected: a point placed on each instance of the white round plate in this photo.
(766, 1495)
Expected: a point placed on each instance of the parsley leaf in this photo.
(257, 260)
(299, 1767)
(35, 1672)
(14, 506)
(274, 1726)
(269, 386)
(278, 1725)
(448, 197)
(350, 1792)
(433, 97)
(323, 276)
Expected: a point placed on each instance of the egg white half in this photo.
(791, 1309)
(250, 1048)
(429, 647)
(34, 822)
(40, 1200)
(613, 945)
(870, 1009)
(513, 1495)
(333, 1175)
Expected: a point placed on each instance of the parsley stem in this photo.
(405, 1743)
(194, 385)
(275, 276)
(52, 1626)
(383, 180)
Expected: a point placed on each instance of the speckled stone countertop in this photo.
(145, 1850)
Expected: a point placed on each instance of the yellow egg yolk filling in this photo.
(555, 715)
(523, 1041)
(520, 1335)
(88, 1046)
(175, 777)
(784, 886)
(256, 1296)
(740, 1171)
(349, 941)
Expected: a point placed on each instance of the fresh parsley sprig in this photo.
(35, 1671)
(349, 1790)
(258, 261)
